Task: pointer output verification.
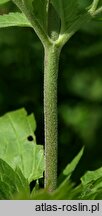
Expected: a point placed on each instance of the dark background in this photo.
(79, 89)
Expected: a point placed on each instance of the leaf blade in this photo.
(67, 172)
(11, 182)
(14, 19)
(35, 10)
(3, 1)
(16, 148)
(72, 18)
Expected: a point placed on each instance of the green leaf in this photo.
(11, 182)
(70, 167)
(72, 17)
(40, 12)
(35, 10)
(67, 172)
(3, 1)
(18, 144)
(91, 176)
(54, 18)
(64, 192)
(14, 19)
(43, 14)
(92, 184)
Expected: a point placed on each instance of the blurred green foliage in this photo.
(79, 88)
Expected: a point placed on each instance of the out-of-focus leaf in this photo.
(3, 1)
(11, 182)
(98, 19)
(18, 144)
(14, 19)
(82, 118)
(85, 84)
(64, 192)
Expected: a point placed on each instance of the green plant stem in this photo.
(94, 5)
(51, 63)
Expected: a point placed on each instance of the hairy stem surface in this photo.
(51, 62)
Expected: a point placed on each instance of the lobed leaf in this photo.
(18, 145)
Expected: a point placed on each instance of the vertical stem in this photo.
(51, 62)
